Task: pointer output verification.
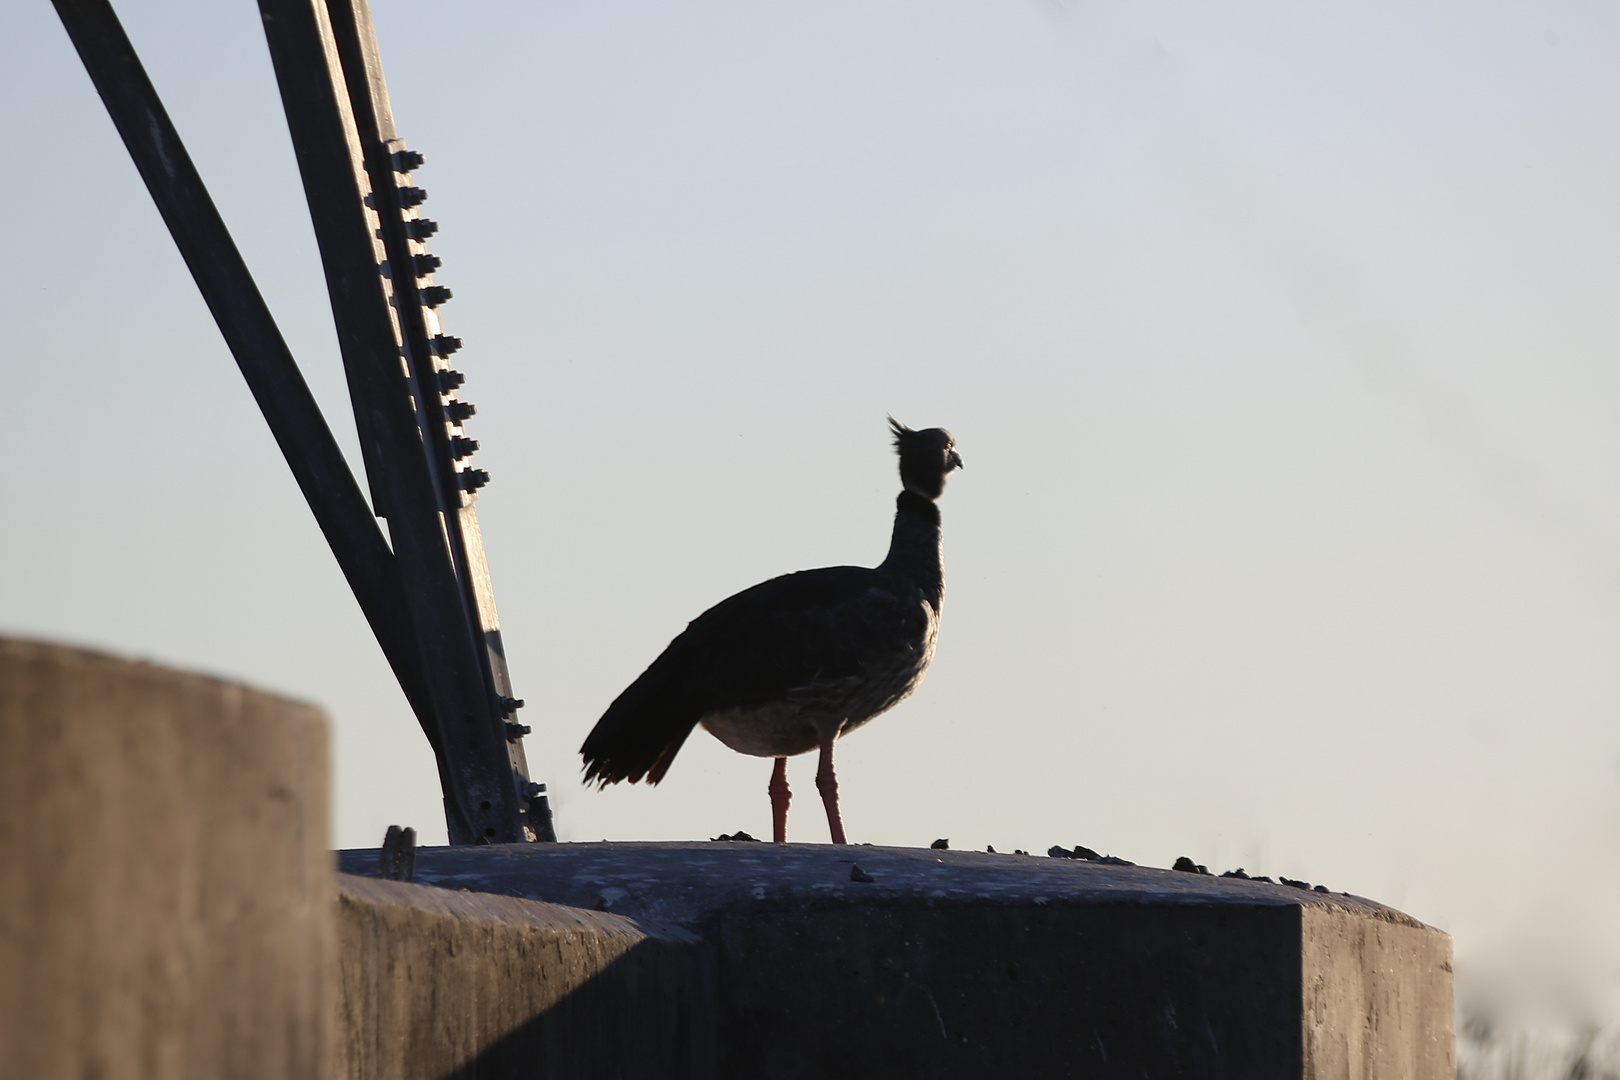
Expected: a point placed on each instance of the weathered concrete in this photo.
(747, 960)
(435, 983)
(165, 884)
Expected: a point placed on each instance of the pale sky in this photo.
(1279, 341)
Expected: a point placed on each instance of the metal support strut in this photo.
(427, 596)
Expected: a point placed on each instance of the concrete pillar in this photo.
(166, 901)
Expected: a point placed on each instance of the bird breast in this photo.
(826, 708)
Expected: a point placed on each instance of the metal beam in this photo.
(405, 404)
(441, 411)
(252, 336)
(427, 598)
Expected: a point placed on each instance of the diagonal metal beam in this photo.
(251, 333)
(440, 409)
(425, 590)
(407, 411)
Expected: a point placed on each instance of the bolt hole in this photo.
(484, 805)
(489, 832)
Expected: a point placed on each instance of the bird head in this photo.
(925, 458)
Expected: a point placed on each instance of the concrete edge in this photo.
(471, 906)
(493, 907)
(68, 653)
(682, 883)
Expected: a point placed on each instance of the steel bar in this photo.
(388, 165)
(398, 404)
(252, 336)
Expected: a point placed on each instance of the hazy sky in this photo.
(1279, 340)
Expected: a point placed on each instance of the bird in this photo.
(795, 663)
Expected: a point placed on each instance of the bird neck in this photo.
(915, 549)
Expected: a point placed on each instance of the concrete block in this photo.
(439, 984)
(748, 960)
(166, 899)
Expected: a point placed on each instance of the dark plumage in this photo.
(793, 663)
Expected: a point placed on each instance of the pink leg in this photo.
(827, 784)
(779, 801)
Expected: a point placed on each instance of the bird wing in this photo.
(776, 640)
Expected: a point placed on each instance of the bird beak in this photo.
(955, 461)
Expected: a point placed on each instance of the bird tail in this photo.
(639, 735)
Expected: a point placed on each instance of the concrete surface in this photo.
(752, 960)
(166, 905)
(434, 984)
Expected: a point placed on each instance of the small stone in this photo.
(738, 836)
(1291, 883)
(1187, 866)
(1058, 851)
(940, 845)
(1321, 888)
(1113, 860)
(857, 874)
(990, 848)
(1238, 873)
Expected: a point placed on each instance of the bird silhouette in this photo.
(794, 663)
